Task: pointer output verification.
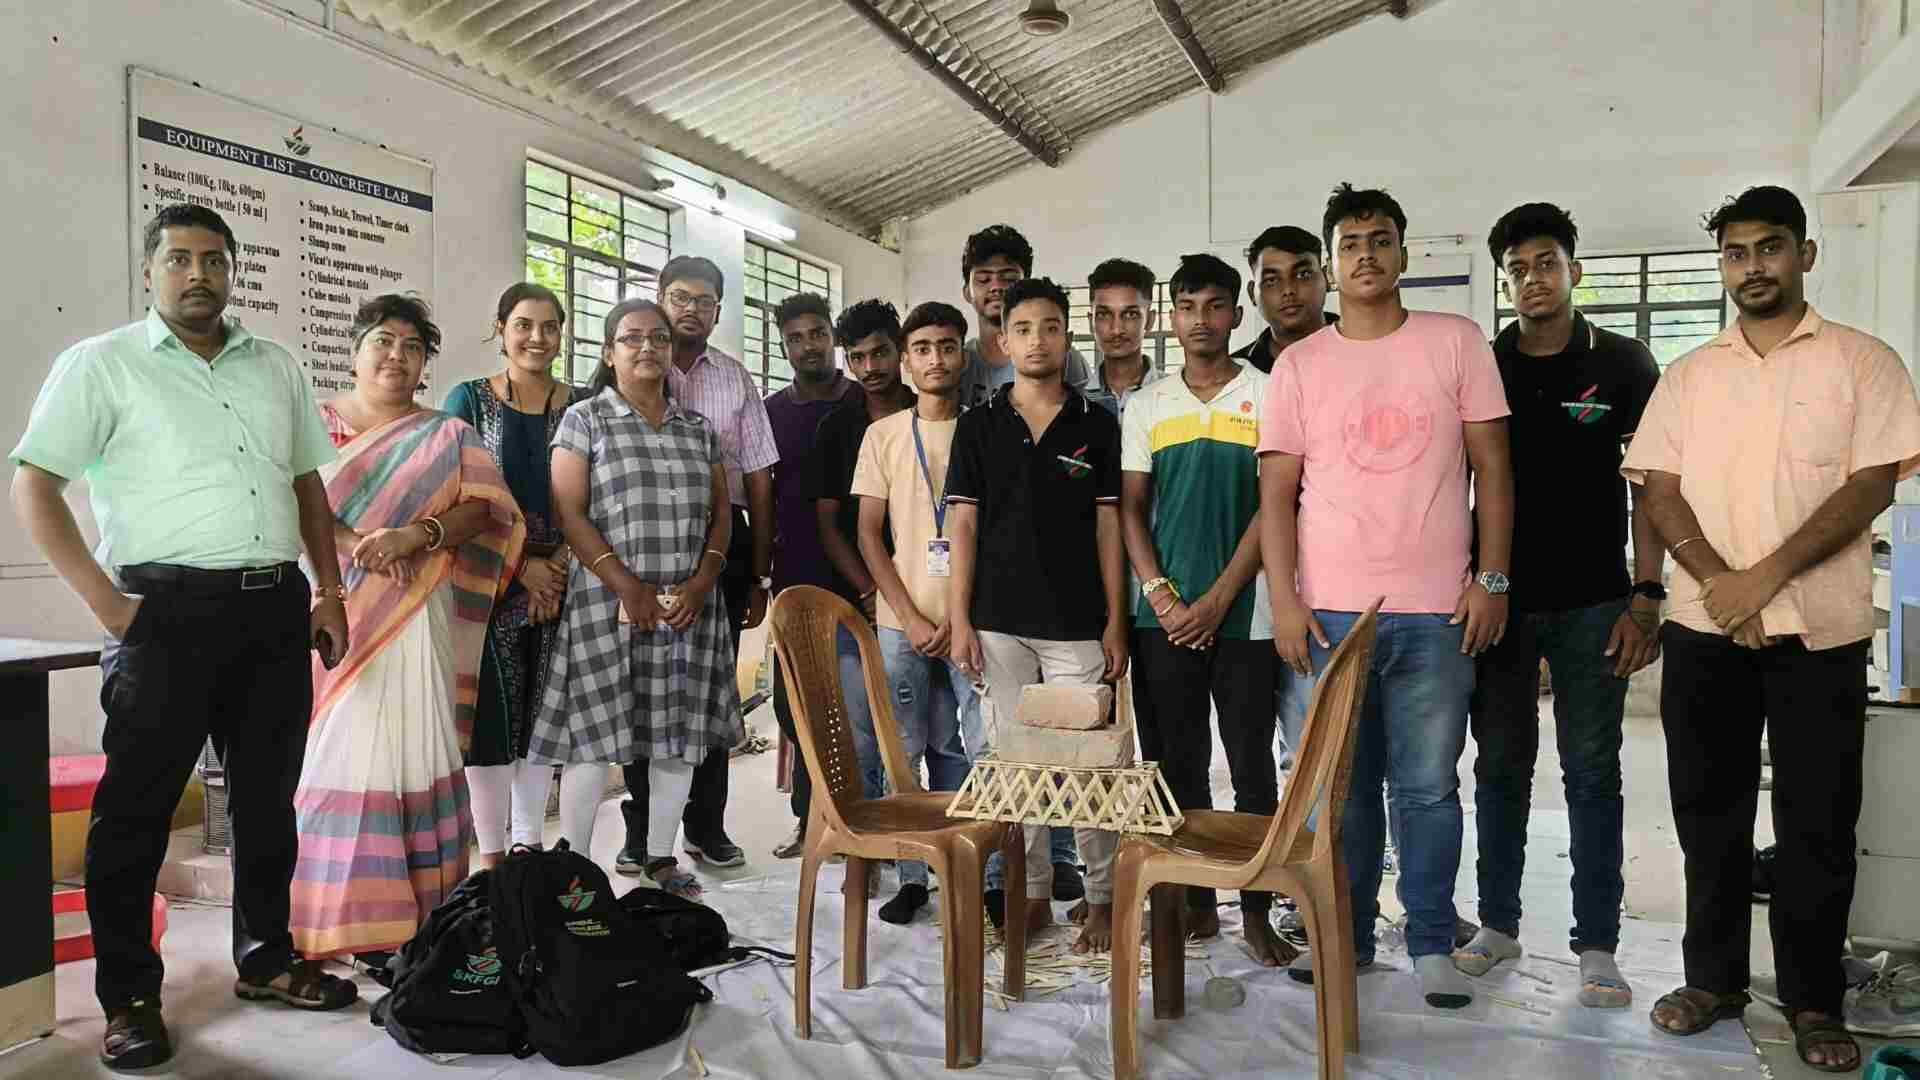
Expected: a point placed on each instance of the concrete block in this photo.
(1065, 707)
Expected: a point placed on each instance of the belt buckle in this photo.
(251, 580)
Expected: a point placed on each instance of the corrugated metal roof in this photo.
(819, 108)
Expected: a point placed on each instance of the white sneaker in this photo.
(1888, 1005)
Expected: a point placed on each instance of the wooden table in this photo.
(26, 964)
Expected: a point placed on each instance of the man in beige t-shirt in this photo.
(1766, 454)
(901, 477)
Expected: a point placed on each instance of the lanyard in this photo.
(939, 508)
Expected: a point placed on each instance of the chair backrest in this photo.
(1323, 763)
(806, 622)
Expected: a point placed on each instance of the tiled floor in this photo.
(220, 1036)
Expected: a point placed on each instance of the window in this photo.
(1161, 347)
(594, 246)
(772, 276)
(1671, 302)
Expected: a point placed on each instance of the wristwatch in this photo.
(1494, 582)
(1652, 590)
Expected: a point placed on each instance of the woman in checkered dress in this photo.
(642, 666)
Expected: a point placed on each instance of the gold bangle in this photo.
(330, 592)
(436, 532)
(721, 555)
(594, 566)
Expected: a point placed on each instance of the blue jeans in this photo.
(866, 745)
(1589, 704)
(930, 715)
(1410, 735)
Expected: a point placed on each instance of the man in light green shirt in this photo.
(200, 444)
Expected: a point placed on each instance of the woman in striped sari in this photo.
(428, 536)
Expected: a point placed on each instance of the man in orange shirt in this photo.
(1766, 454)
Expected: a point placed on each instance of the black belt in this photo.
(162, 577)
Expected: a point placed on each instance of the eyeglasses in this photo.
(659, 339)
(706, 305)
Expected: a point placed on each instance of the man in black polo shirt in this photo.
(1577, 393)
(1288, 284)
(1034, 485)
(869, 335)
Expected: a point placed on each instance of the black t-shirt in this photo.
(1037, 565)
(1259, 352)
(828, 474)
(1571, 413)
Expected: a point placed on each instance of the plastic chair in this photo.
(1247, 851)
(909, 824)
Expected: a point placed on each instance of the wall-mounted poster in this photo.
(323, 221)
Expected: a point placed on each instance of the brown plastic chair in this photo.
(1271, 854)
(909, 824)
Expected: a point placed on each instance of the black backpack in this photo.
(590, 987)
(690, 936)
(449, 994)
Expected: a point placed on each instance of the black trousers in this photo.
(800, 798)
(1172, 689)
(199, 660)
(705, 817)
(1714, 699)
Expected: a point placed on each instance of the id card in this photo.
(939, 558)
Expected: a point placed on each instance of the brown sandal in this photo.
(308, 987)
(1810, 1031)
(1699, 1009)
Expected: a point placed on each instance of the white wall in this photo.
(65, 122)
(1636, 115)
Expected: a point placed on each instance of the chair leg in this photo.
(966, 952)
(1341, 901)
(803, 936)
(1169, 952)
(853, 935)
(1014, 939)
(1129, 900)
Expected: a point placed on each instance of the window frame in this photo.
(1641, 308)
(762, 352)
(632, 277)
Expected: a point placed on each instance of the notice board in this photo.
(323, 221)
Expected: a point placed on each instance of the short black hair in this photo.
(1201, 271)
(1121, 272)
(933, 313)
(1765, 203)
(1348, 202)
(992, 241)
(693, 268)
(1036, 288)
(802, 303)
(408, 309)
(1291, 239)
(868, 317)
(187, 215)
(1529, 220)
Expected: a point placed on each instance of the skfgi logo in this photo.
(575, 898)
(296, 145)
(481, 971)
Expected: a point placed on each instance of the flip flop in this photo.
(677, 883)
(1701, 1008)
(1825, 1032)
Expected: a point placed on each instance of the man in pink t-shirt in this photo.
(1366, 436)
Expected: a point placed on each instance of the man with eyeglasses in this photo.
(200, 444)
(1577, 393)
(717, 386)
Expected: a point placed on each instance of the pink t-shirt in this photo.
(1383, 489)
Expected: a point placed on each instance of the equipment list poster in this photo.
(323, 221)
